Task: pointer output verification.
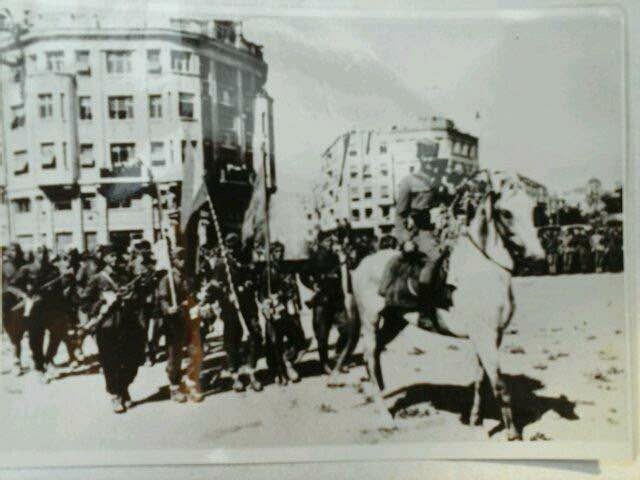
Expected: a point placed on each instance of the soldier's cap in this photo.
(143, 245)
(106, 250)
(231, 239)
(277, 246)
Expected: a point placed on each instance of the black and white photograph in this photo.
(235, 235)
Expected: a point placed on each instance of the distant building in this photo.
(361, 171)
(91, 96)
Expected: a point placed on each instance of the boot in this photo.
(256, 386)
(126, 399)
(116, 404)
(176, 394)
(238, 386)
(194, 392)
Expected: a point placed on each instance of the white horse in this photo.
(480, 268)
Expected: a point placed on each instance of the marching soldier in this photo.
(182, 328)
(119, 332)
(34, 281)
(281, 307)
(244, 302)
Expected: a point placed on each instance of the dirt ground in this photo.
(564, 353)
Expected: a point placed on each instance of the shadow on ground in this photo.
(528, 407)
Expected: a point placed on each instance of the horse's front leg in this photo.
(321, 327)
(487, 349)
(371, 353)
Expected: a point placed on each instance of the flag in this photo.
(194, 189)
(254, 224)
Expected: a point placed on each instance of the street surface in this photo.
(564, 353)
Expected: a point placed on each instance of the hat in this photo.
(231, 239)
(143, 245)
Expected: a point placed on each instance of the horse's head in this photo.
(512, 209)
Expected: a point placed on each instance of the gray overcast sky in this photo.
(548, 89)
(547, 86)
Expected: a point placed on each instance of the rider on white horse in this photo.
(415, 232)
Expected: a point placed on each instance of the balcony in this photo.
(125, 171)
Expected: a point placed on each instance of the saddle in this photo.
(401, 284)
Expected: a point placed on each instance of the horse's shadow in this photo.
(527, 406)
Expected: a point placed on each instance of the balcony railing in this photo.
(119, 171)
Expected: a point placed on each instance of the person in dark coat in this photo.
(119, 332)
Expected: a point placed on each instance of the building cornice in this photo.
(181, 37)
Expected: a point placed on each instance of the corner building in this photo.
(89, 98)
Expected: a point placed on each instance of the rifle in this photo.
(28, 301)
(111, 298)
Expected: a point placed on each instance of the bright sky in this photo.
(548, 90)
(548, 87)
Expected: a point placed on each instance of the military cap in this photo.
(231, 239)
(143, 245)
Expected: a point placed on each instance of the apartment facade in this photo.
(361, 171)
(97, 112)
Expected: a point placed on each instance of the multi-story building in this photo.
(361, 170)
(95, 108)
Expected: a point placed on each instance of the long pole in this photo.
(223, 250)
(267, 240)
(172, 284)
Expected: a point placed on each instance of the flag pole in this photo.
(223, 250)
(266, 220)
(172, 285)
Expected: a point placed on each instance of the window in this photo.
(472, 151)
(90, 241)
(22, 205)
(86, 155)
(155, 106)
(121, 107)
(180, 61)
(119, 62)
(368, 212)
(354, 172)
(55, 61)
(185, 107)
(366, 170)
(384, 191)
(64, 154)
(45, 105)
(122, 153)
(17, 116)
(82, 61)
(21, 164)
(355, 214)
(153, 61)
(85, 108)
(157, 154)
(88, 201)
(385, 210)
(354, 193)
(367, 192)
(125, 203)
(383, 148)
(48, 155)
(62, 205)
(384, 170)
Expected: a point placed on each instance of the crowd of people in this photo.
(126, 304)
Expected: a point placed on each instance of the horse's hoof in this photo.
(294, 376)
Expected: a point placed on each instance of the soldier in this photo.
(181, 328)
(598, 248)
(244, 303)
(120, 334)
(280, 299)
(415, 232)
(35, 279)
